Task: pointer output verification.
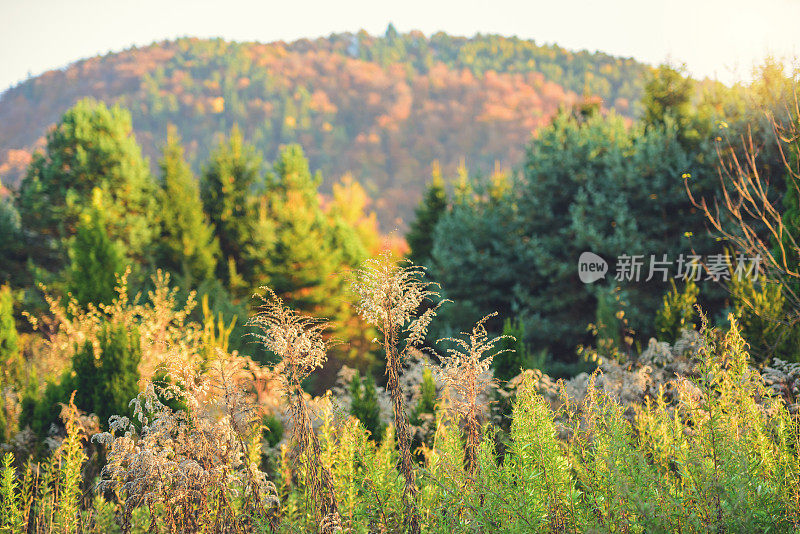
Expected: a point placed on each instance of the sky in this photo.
(721, 39)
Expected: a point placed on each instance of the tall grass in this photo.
(720, 454)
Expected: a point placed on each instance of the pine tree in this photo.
(513, 353)
(427, 214)
(95, 260)
(187, 245)
(91, 148)
(106, 384)
(13, 249)
(299, 254)
(364, 404)
(667, 101)
(427, 396)
(677, 311)
(228, 192)
(11, 359)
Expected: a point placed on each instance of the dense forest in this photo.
(207, 323)
(381, 108)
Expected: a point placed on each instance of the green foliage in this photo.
(227, 190)
(427, 395)
(70, 458)
(766, 321)
(667, 97)
(364, 405)
(480, 243)
(187, 245)
(589, 183)
(106, 378)
(9, 338)
(298, 251)
(273, 430)
(13, 251)
(91, 148)
(11, 518)
(14, 375)
(95, 260)
(514, 354)
(40, 410)
(426, 215)
(609, 318)
(677, 312)
(293, 240)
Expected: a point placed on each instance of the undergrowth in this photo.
(720, 455)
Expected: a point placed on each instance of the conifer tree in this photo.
(299, 254)
(677, 312)
(13, 249)
(228, 194)
(187, 245)
(364, 404)
(427, 396)
(91, 148)
(513, 354)
(427, 214)
(105, 385)
(95, 260)
(11, 361)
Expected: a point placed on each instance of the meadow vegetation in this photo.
(232, 346)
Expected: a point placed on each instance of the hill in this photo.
(382, 108)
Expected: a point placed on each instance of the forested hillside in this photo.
(223, 338)
(382, 108)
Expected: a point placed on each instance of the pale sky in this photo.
(720, 39)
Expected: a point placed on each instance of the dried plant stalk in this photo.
(299, 343)
(466, 372)
(390, 296)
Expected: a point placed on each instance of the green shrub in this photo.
(106, 381)
(364, 405)
(767, 324)
(677, 311)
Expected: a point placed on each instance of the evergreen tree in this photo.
(593, 184)
(95, 260)
(427, 214)
(513, 354)
(427, 396)
(187, 245)
(105, 385)
(13, 249)
(478, 254)
(228, 191)
(677, 312)
(10, 355)
(298, 253)
(364, 405)
(92, 147)
(668, 101)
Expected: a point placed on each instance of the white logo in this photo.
(591, 267)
